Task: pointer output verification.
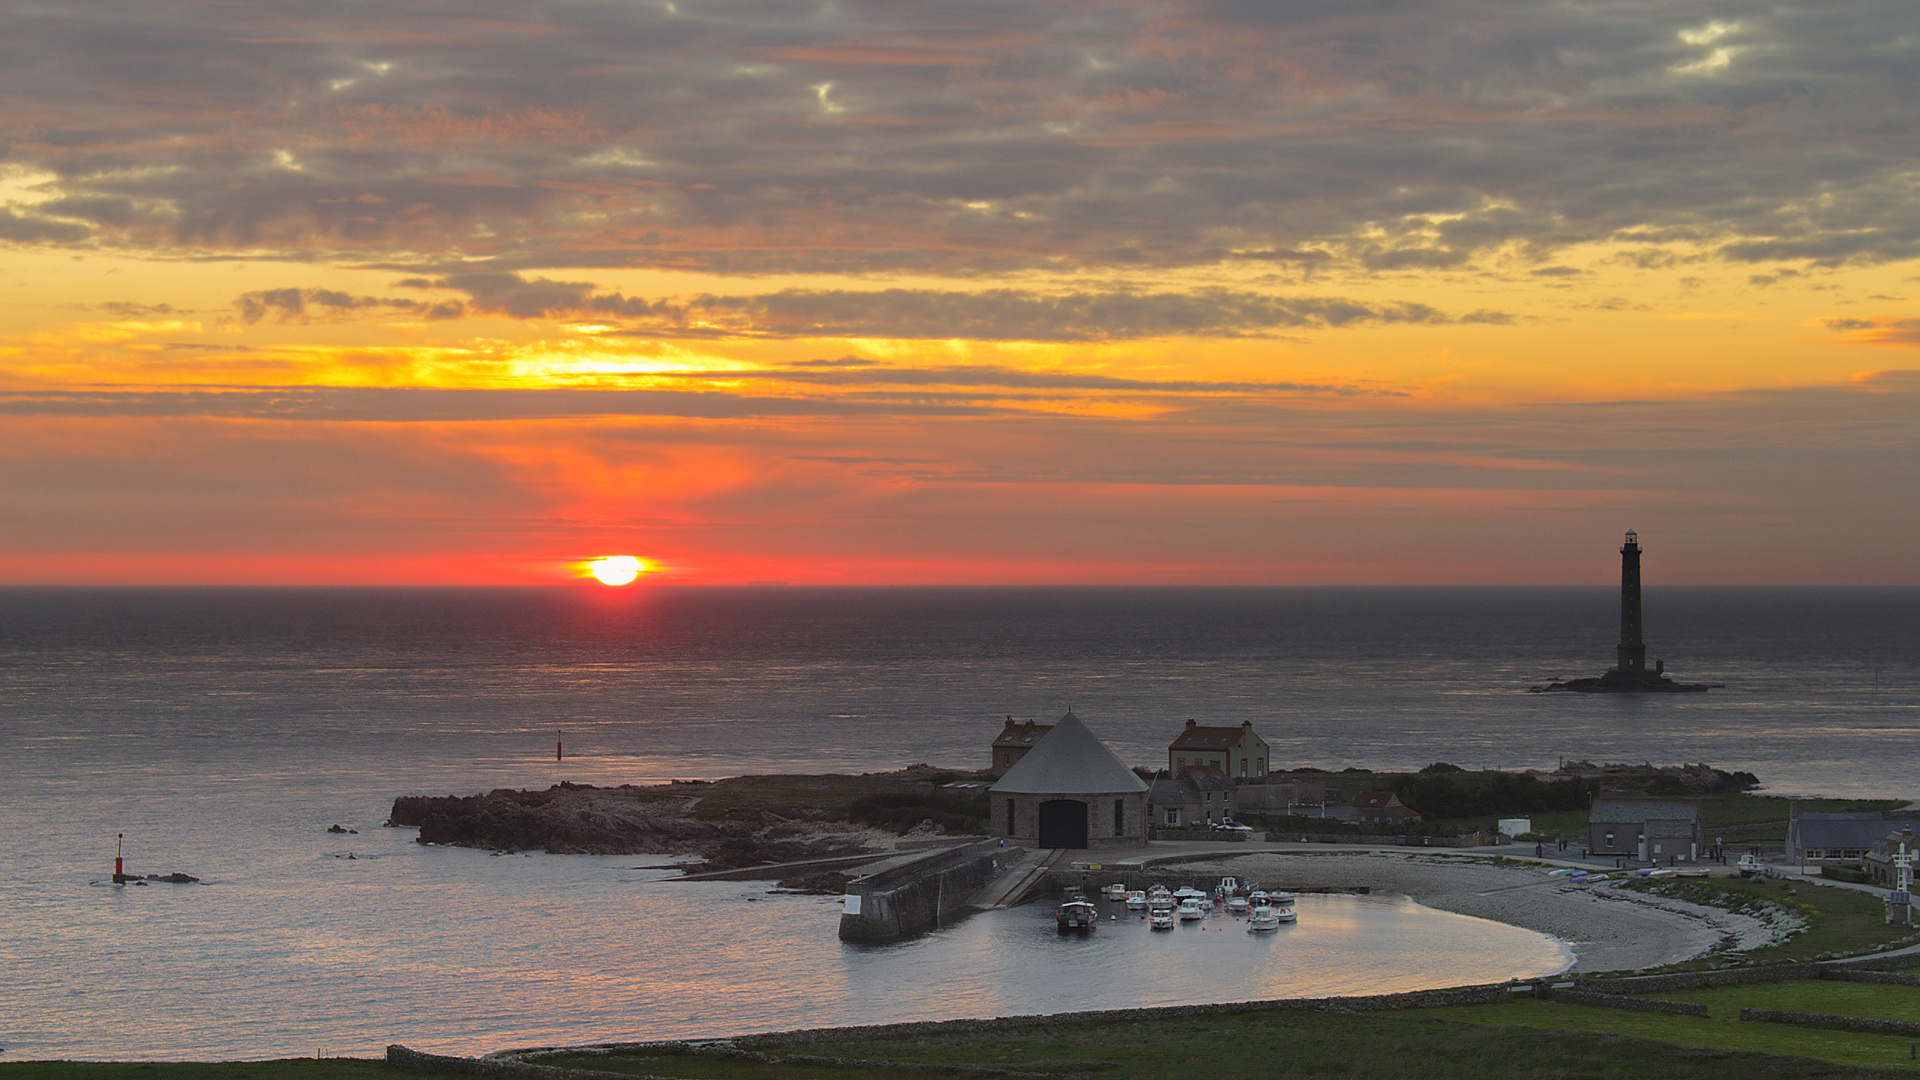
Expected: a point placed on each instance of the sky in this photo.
(1013, 292)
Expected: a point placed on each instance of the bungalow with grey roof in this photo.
(1836, 836)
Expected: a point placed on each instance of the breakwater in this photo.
(914, 893)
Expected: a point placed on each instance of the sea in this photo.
(221, 733)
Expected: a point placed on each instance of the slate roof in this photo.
(1187, 787)
(1071, 760)
(1843, 830)
(1634, 811)
(1196, 737)
(1021, 734)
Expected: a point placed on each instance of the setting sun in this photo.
(616, 569)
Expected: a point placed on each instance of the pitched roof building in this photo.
(1650, 830)
(1842, 835)
(1013, 742)
(1192, 798)
(1069, 791)
(1236, 751)
(1383, 808)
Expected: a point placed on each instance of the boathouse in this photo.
(1069, 791)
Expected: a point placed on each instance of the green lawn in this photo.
(1722, 1030)
(1841, 920)
(1496, 1043)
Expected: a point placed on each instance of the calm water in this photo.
(223, 730)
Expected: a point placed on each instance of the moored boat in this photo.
(1136, 900)
(1263, 918)
(1160, 919)
(1191, 909)
(1238, 905)
(1077, 915)
(1115, 891)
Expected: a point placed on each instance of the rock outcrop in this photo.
(580, 819)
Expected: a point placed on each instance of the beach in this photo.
(1608, 929)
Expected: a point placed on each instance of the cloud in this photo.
(301, 305)
(988, 315)
(1878, 331)
(1387, 137)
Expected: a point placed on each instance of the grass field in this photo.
(1723, 1029)
(1839, 920)
(1497, 1042)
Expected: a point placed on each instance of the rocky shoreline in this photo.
(672, 820)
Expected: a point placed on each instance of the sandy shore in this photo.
(1608, 929)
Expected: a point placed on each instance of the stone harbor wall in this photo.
(914, 895)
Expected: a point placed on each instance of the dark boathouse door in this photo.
(1063, 823)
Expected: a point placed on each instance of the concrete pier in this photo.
(914, 893)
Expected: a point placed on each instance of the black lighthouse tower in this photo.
(1632, 662)
(1629, 674)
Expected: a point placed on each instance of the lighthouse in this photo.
(1632, 663)
(1629, 673)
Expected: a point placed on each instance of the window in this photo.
(1009, 817)
(1173, 817)
(1609, 839)
(1119, 817)
(1243, 766)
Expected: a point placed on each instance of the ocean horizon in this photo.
(223, 730)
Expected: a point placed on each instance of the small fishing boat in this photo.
(1281, 898)
(1136, 900)
(1191, 909)
(1160, 919)
(1284, 913)
(1115, 891)
(1159, 898)
(1263, 918)
(1227, 887)
(1188, 892)
(1077, 915)
(1238, 905)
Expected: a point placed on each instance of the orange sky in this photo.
(898, 293)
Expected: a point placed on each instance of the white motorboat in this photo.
(1258, 898)
(1238, 905)
(1263, 918)
(1077, 915)
(1136, 900)
(1115, 891)
(1160, 919)
(1191, 909)
(1284, 912)
(1227, 887)
(1281, 898)
(1188, 892)
(1159, 899)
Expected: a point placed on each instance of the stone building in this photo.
(1013, 742)
(1836, 836)
(1069, 791)
(1192, 798)
(1237, 752)
(1648, 830)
